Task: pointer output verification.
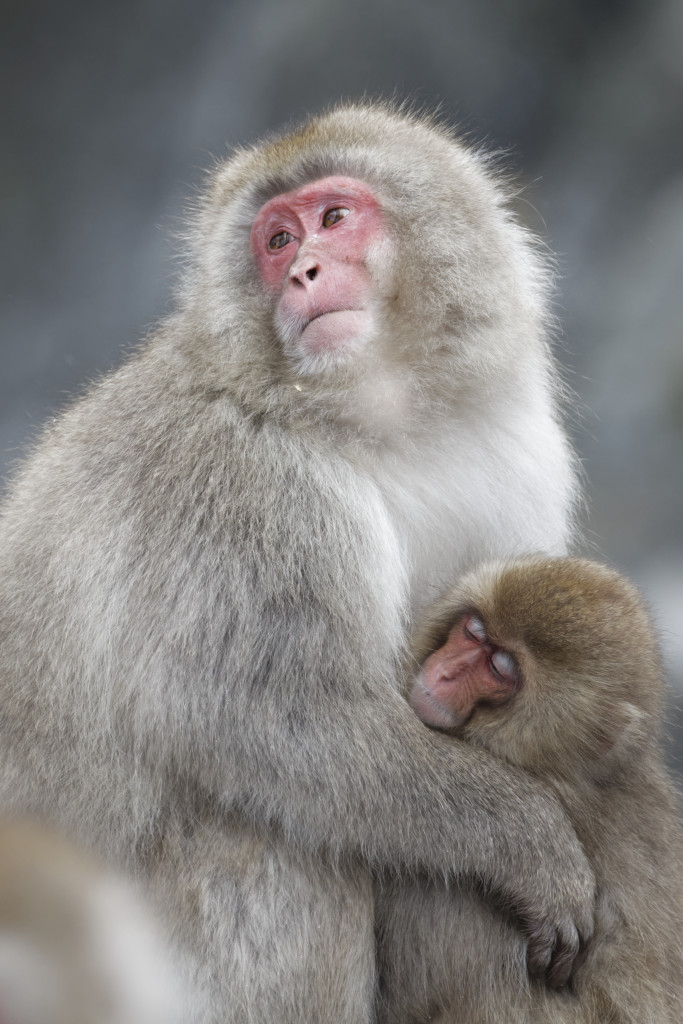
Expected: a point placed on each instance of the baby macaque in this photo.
(552, 665)
(76, 946)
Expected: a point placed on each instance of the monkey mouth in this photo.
(327, 312)
(325, 337)
(431, 711)
(335, 333)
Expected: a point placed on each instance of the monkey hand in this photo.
(557, 940)
(556, 952)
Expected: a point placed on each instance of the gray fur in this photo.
(209, 563)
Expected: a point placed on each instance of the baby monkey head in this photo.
(551, 663)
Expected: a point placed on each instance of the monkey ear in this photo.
(624, 733)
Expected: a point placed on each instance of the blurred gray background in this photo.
(113, 110)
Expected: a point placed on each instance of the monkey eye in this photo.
(280, 240)
(504, 666)
(332, 216)
(475, 629)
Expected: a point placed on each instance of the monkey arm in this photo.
(366, 779)
(398, 795)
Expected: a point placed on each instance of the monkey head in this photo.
(551, 663)
(365, 262)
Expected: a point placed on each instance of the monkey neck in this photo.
(416, 448)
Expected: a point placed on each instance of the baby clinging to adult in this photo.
(551, 664)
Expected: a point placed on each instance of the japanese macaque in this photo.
(76, 946)
(210, 563)
(551, 665)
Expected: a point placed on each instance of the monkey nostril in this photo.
(300, 278)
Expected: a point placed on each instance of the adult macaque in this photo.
(208, 565)
(550, 664)
(76, 946)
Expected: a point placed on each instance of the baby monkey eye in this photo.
(504, 665)
(280, 240)
(332, 216)
(475, 629)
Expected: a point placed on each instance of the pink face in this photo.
(313, 248)
(466, 671)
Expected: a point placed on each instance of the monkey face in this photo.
(315, 249)
(547, 662)
(467, 671)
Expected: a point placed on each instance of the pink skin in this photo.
(466, 671)
(319, 271)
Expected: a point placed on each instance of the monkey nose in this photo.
(304, 272)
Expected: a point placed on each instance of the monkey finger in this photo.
(540, 948)
(555, 957)
(565, 959)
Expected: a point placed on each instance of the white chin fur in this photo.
(328, 341)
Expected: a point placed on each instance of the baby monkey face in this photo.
(466, 671)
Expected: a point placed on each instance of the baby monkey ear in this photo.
(624, 733)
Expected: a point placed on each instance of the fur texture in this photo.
(209, 563)
(586, 723)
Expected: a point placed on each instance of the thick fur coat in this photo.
(209, 563)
